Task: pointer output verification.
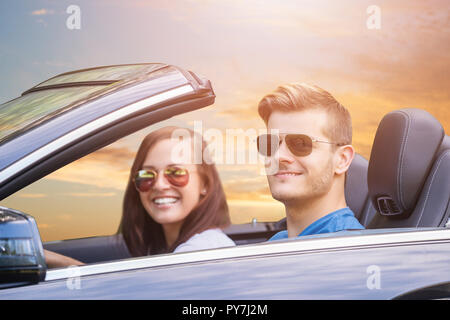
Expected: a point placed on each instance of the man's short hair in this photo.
(302, 96)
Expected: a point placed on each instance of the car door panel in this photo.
(320, 274)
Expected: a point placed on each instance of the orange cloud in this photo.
(42, 12)
(32, 195)
(44, 226)
(90, 195)
(106, 168)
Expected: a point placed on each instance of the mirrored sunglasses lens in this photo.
(144, 180)
(179, 177)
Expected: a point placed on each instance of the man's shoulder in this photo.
(279, 235)
(339, 220)
(344, 219)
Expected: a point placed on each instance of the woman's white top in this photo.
(208, 239)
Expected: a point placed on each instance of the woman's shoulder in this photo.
(215, 235)
(208, 239)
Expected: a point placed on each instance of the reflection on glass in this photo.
(100, 74)
(23, 111)
(16, 247)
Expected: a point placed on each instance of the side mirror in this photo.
(22, 258)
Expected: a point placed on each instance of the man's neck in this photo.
(301, 214)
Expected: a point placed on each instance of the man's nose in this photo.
(283, 154)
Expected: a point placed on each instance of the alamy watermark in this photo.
(73, 22)
(235, 146)
(73, 282)
(374, 19)
(374, 278)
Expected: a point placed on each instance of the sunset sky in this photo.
(246, 48)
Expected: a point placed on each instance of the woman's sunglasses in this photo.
(299, 144)
(145, 179)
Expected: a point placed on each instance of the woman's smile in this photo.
(165, 202)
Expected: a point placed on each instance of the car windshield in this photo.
(34, 107)
(100, 74)
(61, 92)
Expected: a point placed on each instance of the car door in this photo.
(367, 264)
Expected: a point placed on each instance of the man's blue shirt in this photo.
(342, 219)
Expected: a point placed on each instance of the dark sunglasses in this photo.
(299, 144)
(146, 178)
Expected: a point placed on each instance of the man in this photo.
(312, 153)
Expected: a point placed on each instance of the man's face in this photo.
(301, 178)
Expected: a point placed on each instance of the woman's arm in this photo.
(56, 260)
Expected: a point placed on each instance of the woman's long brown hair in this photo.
(145, 236)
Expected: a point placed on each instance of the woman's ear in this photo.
(344, 157)
(204, 184)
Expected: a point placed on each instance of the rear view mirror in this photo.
(22, 258)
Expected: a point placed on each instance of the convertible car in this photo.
(401, 195)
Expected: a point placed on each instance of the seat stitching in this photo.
(400, 164)
(441, 157)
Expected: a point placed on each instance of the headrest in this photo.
(402, 154)
(356, 185)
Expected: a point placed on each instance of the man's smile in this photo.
(283, 174)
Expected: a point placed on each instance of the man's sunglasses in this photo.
(145, 179)
(299, 144)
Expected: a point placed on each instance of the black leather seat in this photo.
(409, 171)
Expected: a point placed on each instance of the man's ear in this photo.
(343, 158)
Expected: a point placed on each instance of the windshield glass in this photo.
(19, 113)
(42, 101)
(101, 74)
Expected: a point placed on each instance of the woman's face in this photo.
(164, 202)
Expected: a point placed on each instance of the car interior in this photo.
(405, 184)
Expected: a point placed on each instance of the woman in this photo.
(170, 204)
